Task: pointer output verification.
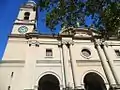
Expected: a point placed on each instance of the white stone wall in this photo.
(14, 48)
(5, 76)
(29, 64)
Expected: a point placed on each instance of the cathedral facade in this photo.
(77, 58)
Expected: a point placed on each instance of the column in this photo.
(73, 65)
(62, 66)
(65, 64)
(105, 64)
(111, 63)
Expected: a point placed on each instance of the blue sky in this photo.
(8, 13)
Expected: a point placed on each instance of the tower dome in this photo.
(31, 3)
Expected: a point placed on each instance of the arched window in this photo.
(93, 81)
(48, 82)
(26, 15)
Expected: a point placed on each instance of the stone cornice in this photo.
(48, 61)
(38, 35)
(12, 61)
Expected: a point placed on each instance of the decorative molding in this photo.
(90, 43)
(49, 42)
(113, 44)
(65, 42)
(117, 61)
(12, 61)
(16, 36)
(87, 64)
(87, 61)
(34, 43)
(48, 61)
(48, 65)
(25, 23)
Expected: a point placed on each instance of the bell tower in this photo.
(26, 19)
(24, 23)
(16, 54)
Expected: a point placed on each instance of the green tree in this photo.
(105, 13)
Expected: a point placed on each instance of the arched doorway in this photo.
(93, 81)
(48, 82)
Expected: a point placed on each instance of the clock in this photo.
(22, 29)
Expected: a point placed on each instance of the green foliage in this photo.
(111, 17)
(105, 13)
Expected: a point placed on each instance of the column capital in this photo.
(71, 42)
(105, 44)
(98, 42)
(66, 42)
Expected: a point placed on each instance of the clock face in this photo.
(22, 29)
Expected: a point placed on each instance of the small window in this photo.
(117, 52)
(86, 53)
(26, 18)
(49, 52)
(26, 15)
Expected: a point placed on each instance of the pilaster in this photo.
(104, 63)
(111, 63)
